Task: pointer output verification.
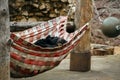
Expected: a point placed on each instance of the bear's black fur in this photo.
(50, 42)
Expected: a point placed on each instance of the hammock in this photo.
(28, 59)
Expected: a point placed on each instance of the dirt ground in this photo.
(102, 68)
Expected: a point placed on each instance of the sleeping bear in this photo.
(50, 42)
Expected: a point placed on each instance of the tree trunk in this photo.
(4, 37)
(80, 57)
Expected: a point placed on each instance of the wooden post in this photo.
(80, 59)
(4, 37)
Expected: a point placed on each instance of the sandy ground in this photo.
(102, 68)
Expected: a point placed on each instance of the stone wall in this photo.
(38, 10)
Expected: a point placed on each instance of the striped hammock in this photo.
(28, 59)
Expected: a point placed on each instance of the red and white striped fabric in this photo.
(28, 59)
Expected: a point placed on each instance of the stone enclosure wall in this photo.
(38, 10)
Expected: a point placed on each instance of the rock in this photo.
(55, 0)
(23, 20)
(35, 5)
(25, 13)
(32, 19)
(38, 14)
(117, 50)
(48, 6)
(52, 15)
(63, 12)
(31, 14)
(45, 12)
(64, 0)
(57, 11)
(19, 17)
(19, 3)
(42, 6)
(70, 1)
(101, 50)
(57, 5)
(35, 1)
